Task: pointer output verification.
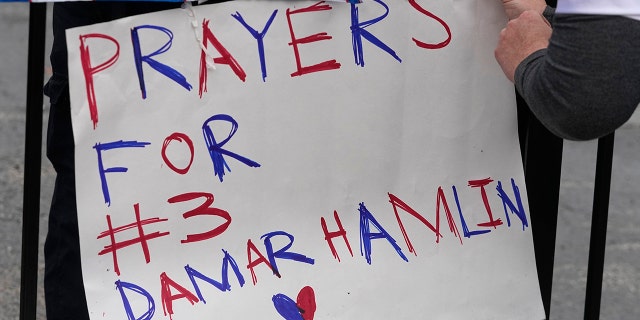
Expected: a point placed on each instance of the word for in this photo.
(215, 151)
(370, 229)
(357, 27)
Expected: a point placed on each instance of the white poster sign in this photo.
(301, 160)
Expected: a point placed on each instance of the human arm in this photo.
(586, 84)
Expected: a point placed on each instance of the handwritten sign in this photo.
(300, 160)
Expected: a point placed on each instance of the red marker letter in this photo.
(225, 58)
(397, 203)
(89, 70)
(181, 137)
(142, 238)
(439, 45)
(328, 236)
(452, 223)
(203, 209)
(167, 297)
(481, 183)
(253, 263)
(327, 65)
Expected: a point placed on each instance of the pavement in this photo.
(621, 279)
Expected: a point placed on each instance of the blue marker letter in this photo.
(151, 306)
(358, 32)
(365, 235)
(224, 286)
(282, 253)
(215, 149)
(258, 36)
(108, 146)
(506, 202)
(465, 228)
(162, 68)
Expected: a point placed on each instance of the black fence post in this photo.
(599, 219)
(542, 159)
(32, 162)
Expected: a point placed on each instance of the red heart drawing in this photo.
(306, 303)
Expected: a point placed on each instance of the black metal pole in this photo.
(542, 167)
(599, 227)
(32, 162)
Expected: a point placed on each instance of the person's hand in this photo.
(523, 36)
(514, 8)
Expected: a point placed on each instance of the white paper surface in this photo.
(422, 131)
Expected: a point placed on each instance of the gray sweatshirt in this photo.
(586, 84)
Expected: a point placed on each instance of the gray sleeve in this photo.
(548, 13)
(586, 84)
